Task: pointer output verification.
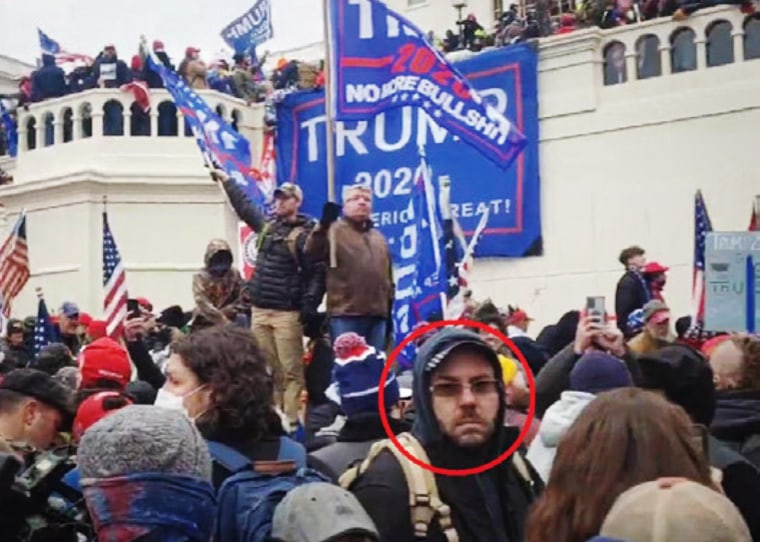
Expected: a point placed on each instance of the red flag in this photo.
(140, 91)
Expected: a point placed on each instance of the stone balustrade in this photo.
(662, 47)
(114, 113)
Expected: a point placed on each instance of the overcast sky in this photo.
(85, 26)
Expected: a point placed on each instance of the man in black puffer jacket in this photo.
(286, 288)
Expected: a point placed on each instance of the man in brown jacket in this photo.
(360, 273)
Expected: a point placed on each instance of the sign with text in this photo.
(383, 153)
(252, 28)
(732, 281)
(381, 61)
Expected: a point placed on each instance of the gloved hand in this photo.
(311, 322)
(219, 175)
(330, 213)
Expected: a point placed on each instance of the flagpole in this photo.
(329, 104)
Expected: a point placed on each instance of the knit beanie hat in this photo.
(142, 438)
(597, 371)
(682, 510)
(357, 372)
(104, 359)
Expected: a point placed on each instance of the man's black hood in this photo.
(426, 427)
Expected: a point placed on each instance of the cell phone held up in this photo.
(133, 309)
(596, 311)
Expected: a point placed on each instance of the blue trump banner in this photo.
(382, 61)
(11, 130)
(382, 153)
(218, 141)
(252, 28)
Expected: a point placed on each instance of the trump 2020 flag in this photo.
(419, 274)
(252, 28)
(220, 144)
(380, 60)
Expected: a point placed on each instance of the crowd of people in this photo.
(242, 76)
(546, 18)
(258, 416)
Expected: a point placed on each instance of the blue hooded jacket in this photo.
(49, 81)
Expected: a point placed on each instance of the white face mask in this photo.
(172, 401)
(168, 400)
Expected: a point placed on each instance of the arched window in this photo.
(139, 121)
(614, 64)
(752, 37)
(85, 113)
(113, 118)
(67, 120)
(720, 44)
(236, 116)
(683, 50)
(49, 122)
(31, 133)
(167, 119)
(221, 111)
(648, 57)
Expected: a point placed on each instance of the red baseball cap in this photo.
(145, 304)
(654, 267)
(94, 408)
(97, 329)
(519, 316)
(104, 359)
(84, 319)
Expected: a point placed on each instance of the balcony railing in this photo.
(709, 38)
(114, 113)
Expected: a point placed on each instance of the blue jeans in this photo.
(372, 328)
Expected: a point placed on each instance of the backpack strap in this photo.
(424, 500)
(524, 472)
(290, 450)
(229, 458)
(292, 241)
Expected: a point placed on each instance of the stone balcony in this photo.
(102, 133)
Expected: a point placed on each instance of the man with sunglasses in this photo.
(460, 404)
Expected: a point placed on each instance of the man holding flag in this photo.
(360, 276)
(286, 287)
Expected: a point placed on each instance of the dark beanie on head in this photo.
(141, 438)
(685, 376)
(597, 371)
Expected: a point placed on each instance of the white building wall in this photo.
(619, 165)
(11, 71)
(163, 208)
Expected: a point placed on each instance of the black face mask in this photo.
(220, 263)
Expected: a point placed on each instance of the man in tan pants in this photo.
(286, 288)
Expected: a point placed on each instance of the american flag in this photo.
(702, 226)
(51, 47)
(114, 283)
(14, 264)
(44, 333)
